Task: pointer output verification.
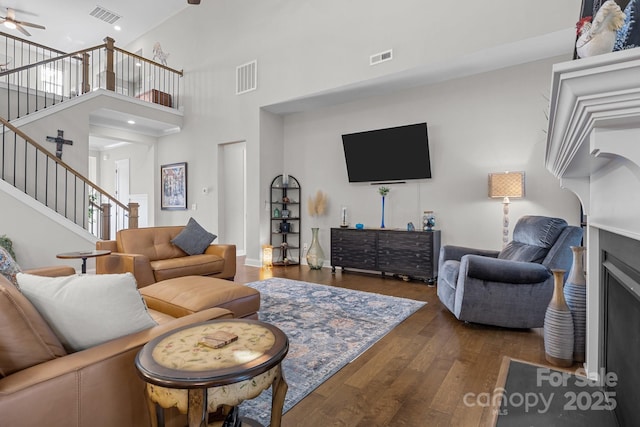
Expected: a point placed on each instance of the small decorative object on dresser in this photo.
(558, 326)
(428, 221)
(344, 222)
(383, 192)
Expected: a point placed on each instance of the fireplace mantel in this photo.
(593, 101)
(593, 147)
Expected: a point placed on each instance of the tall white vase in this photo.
(575, 293)
(558, 326)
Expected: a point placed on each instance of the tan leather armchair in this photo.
(150, 256)
(96, 387)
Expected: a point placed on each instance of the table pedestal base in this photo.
(197, 403)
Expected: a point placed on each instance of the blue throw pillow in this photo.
(193, 239)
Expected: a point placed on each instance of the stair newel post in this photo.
(110, 73)
(86, 87)
(105, 227)
(133, 214)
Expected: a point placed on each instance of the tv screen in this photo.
(393, 154)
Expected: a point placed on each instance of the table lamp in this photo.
(506, 185)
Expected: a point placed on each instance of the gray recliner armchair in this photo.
(509, 288)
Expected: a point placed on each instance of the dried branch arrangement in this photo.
(317, 205)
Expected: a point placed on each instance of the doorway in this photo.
(119, 218)
(232, 194)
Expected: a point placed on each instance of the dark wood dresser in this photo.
(411, 254)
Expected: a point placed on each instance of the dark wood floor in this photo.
(418, 374)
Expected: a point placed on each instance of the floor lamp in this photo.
(506, 185)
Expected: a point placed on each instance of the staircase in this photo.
(34, 78)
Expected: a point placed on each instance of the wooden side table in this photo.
(198, 379)
(84, 255)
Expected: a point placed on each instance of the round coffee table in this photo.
(198, 379)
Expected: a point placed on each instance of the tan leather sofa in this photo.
(96, 387)
(150, 256)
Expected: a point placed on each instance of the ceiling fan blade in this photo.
(3, 20)
(29, 24)
(22, 30)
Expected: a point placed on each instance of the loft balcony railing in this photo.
(16, 52)
(30, 168)
(50, 77)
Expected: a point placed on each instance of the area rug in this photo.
(328, 327)
(538, 396)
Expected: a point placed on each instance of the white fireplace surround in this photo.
(593, 147)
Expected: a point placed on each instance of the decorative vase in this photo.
(575, 294)
(315, 254)
(428, 221)
(558, 326)
(382, 225)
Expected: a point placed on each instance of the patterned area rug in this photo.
(327, 327)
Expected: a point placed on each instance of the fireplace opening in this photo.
(620, 278)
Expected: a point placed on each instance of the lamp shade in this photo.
(506, 184)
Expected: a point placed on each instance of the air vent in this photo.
(381, 57)
(247, 77)
(105, 15)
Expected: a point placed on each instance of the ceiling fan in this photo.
(11, 22)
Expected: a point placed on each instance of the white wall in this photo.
(307, 47)
(37, 236)
(491, 122)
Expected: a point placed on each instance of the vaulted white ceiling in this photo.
(70, 26)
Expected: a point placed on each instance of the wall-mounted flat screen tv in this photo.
(383, 155)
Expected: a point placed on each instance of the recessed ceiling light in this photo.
(131, 122)
(117, 27)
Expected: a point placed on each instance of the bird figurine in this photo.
(598, 35)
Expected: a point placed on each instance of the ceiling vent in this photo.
(381, 57)
(105, 15)
(247, 77)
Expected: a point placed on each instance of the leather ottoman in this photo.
(181, 296)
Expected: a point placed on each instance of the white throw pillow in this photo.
(87, 310)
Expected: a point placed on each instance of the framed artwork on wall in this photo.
(173, 186)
